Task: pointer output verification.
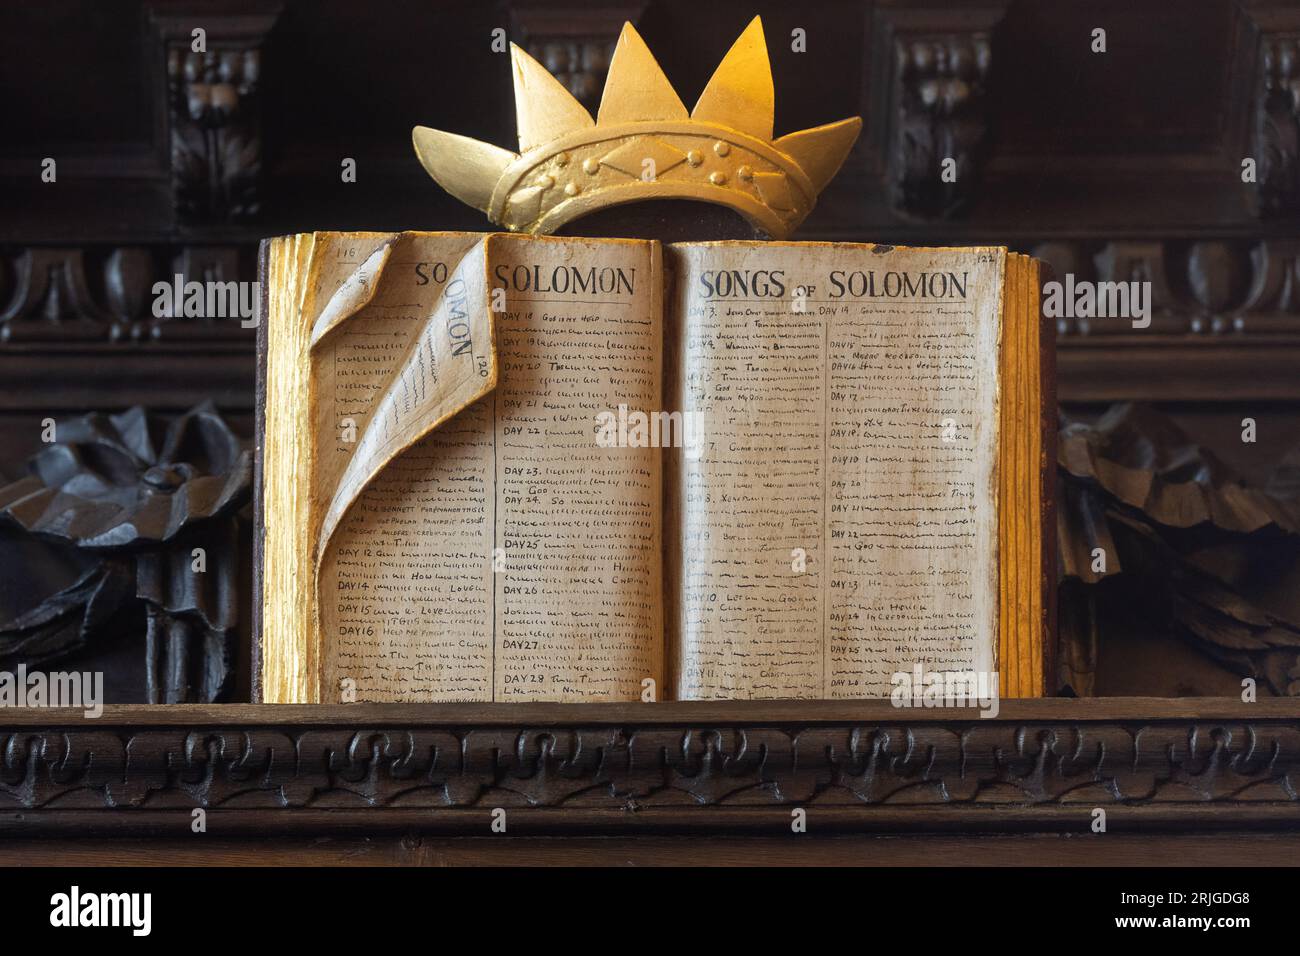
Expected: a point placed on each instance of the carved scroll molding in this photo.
(1275, 123)
(213, 115)
(1204, 287)
(106, 293)
(929, 119)
(1043, 764)
(1224, 320)
(574, 42)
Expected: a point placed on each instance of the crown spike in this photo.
(740, 94)
(636, 88)
(571, 165)
(544, 109)
(466, 168)
(821, 151)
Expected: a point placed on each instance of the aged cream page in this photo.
(578, 528)
(403, 589)
(838, 523)
(503, 555)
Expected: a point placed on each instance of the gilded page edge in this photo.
(286, 651)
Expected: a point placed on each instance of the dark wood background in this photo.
(1124, 164)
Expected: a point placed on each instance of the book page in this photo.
(839, 522)
(503, 555)
(390, 534)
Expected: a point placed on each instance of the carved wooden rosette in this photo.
(861, 766)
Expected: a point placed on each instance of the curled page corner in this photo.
(354, 292)
(448, 366)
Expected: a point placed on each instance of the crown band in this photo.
(560, 164)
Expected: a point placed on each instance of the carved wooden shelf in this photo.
(1041, 766)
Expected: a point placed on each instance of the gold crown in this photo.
(643, 145)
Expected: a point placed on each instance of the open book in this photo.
(509, 468)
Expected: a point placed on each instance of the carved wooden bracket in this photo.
(928, 117)
(213, 116)
(1275, 125)
(859, 766)
(575, 42)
